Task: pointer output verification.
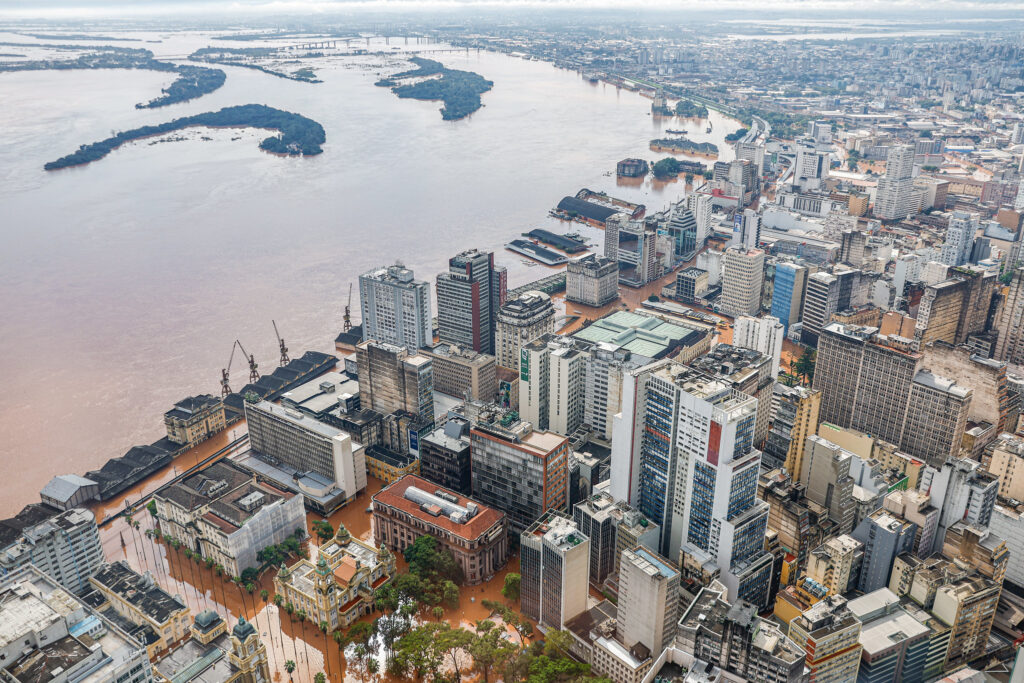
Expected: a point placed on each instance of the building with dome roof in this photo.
(338, 587)
(213, 655)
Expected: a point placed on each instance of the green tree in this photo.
(489, 651)
(320, 677)
(438, 612)
(451, 641)
(512, 585)
(323, 530)
(264, 594)
(289, 666)
(151, 506)
(451, 594)
(804, 366)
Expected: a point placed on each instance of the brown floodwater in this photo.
(125, 282)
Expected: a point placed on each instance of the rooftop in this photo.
(138, 590)
(394, 496)
(644, 335)
(882, 633)
(64, 486)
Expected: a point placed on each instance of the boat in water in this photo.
(675, 132)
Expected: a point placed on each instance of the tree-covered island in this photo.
(299, 136)
(459, 90)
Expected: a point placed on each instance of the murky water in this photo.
(124, 283)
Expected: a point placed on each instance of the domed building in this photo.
(213, 654)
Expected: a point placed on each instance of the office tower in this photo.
(734, 638)
(699, 204)
(851, 249)
(884, 537)
(798, 527)
(551, 383)
(612, 527)
(825, 474)
(954, 309)
(691, 284)
(746, 230)
(825, 295)
(65, 545)
(648, 599)
(519, 322)
(875, 384)
(894, 198)
(391, 379)
(810, 167)
(916, 507)
(469, 296)
(794, 417)
(742, 279)
(829, 634)
(748, 372)
(978, 548)
(395, 307)
(712, 261)
(555, 571)
(788, 293)
(752, 152)
(1005, 459)
(835, 563)
(462, 372)
(592, 280)
(300, 453)
(820, 131)
(50, 635)
(895, 644)
(522, 473)
(444, 456)
(682, 231)
(1010, 345)
(963, 492)
(968, 607)
(956, 250)
(634, 247)
(761, 334)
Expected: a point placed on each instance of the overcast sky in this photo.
(810, 8)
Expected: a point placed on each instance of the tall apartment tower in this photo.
(555, 570)
(395, 307)
(794, 417)
(884, 536)
(788, 293)
(830, 635)
(522, 473)
(956, 250)
(1010, 345)
(682, 229)
(761, 334)
(742, 279)
(894, 198)
(649, 599)
(551, 391)
(519, 322)
(65, 546)
(825, 474)
(469, 297)
(826, 294)
(699, 205)
(391, 378)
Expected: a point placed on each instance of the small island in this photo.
(459, 90)
(683, 146)
(245, 57)
(736, 135)
(299, 136)
(691, 110)
(192, 81)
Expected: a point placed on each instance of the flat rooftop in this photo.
(138, 590)
(644, 335)
(393, 496)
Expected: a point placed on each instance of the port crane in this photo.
(225, 373)
(280, 345)
(346, 324)
(254, 374)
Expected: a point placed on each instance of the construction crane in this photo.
(347, 320)
(280, 345)
(225, 373)
(254, 374)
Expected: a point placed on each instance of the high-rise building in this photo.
(519, 322)
(592, 280)
(829, 634)
(761, 334)
(835, 563)
(1005, 459)
(788, 293)
(1010, 345)
(825, 474)
(65, 545)
(469, 296)
(444, 456)
(742, 279)
(851, 249)
(521, 471)
(956, 250)
(825, 295)
(551, 395)
(810, 167)
(49, 635)
(634, 247)
(874, 383)
(734, 638)
(963, 492)
(794, 417)
(391, 379)
(752, 152)
(895, 644)
(555, 570)
(894, 198)
(304, 455)
(699, 204)
(612, 527)
(395, 307)
(682, 231)
(747, 230)
(747, 371)
(968, 607)
(462, 372)
(691, 284)
(884, 536)
(648, 599)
